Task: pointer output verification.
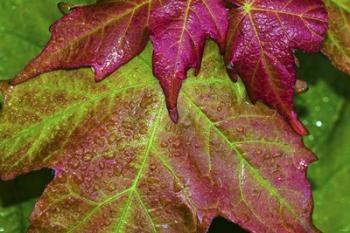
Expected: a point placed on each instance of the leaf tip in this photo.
(18, 79)
(297, 125)
(174, 115)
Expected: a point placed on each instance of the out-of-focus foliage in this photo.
(325, 110)
(24, 31)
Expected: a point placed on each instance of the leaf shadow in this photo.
(317, 67)
(24, 187)
(221, 225)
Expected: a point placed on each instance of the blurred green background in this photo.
(324, 109)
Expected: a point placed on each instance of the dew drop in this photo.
(177, 143)
(186, 123)
(64, 7)
(240, 129)
(101, 165)
(74, 163)
(319, 124)
(111, 187)
(164, 144)
(177, 154)
(108, 156)
(302, 165)
(87, 157)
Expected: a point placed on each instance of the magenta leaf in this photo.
(104, 36)
(179, 30)
(262, 37)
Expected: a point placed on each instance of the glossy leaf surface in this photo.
(261, 40)
(104, 36)
(179, 31)
(109, 33)
(122, 166)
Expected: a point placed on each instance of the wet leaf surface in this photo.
(262, 38)
(121, 165)
(261, 42)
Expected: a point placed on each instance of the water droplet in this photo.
(101, 165)
(302, 165)
(87, 157)
(74, 163)
(311, 137)
(64, 7)
(108, 156)
(258, 152)
(240, 129)
(111, 187)
(177, 154)
(153, 167)
(177, 143)
(118, 170)
(164, 144)
(186, 122)
(319, 124)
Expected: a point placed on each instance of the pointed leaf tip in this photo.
(297, 125)
(174, 115)
(269, 72)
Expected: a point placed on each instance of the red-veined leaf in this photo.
(262, 38)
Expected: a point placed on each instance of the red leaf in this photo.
(104, 36)
(261, 40)
(179, 30)
(260, 47)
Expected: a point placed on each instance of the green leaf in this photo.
(330, 175)
(24, 31)
(115, 152)
(325, 110)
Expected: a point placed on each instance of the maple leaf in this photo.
(179, 30)
(261, 40)
(122, 166)
(337, 45)
(104, 35)
(109, 33)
